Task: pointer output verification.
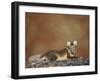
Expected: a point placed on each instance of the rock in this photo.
(36, 62)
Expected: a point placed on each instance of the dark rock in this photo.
(45, 63)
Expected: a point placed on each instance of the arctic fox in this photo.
(64, 54)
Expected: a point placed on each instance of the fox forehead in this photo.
(72, 45)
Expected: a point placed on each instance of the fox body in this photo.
(64, 54)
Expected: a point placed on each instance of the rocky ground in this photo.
(35, 62)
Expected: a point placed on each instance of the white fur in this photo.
(75, 42)
(68, 43)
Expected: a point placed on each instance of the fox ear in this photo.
(68, 43)
(75, 42)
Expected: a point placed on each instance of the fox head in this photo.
(71, 47)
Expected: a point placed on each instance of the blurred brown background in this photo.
(51, 31)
